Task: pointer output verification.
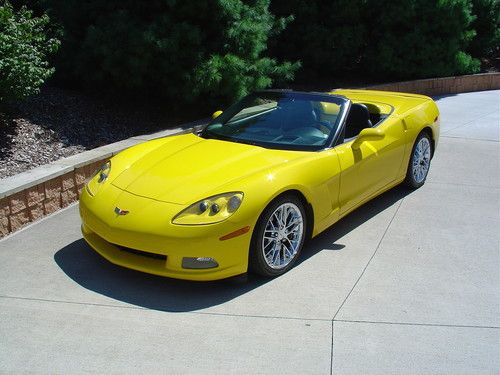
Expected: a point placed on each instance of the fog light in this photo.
(199, 263)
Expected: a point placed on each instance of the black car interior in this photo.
(357, 119)
(361, 116)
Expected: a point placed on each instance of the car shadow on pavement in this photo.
(93, 272)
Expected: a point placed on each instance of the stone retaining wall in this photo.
(42, 199)
(445, 85)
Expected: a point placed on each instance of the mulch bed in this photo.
(59, 123)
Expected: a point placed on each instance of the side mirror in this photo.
(367, 134)
(216, 114)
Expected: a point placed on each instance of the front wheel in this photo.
(420, 161)
(278, 237)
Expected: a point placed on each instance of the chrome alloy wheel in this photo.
(283, 235)
(421, 160)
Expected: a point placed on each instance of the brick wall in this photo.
(33, 203)
(445, 85)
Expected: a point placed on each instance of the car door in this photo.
(370, 165)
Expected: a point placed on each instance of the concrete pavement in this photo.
(409, 283)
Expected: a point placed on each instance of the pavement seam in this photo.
(416, 324)
(369, 261)
(165, 311)
(357, 281)
(467, 185)
(469, 139)
(258, 316)
(331, 353)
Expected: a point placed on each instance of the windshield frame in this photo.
(234, 109)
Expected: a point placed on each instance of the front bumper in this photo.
(147, 228)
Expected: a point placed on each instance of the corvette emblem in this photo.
(119, 211)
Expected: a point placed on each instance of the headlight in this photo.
(210, 210)
(99, 177)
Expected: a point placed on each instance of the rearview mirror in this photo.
(367, 134)
(216, 114)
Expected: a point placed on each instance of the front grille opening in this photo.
(142, 253)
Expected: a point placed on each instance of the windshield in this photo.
(283, 120)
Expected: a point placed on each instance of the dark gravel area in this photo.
(59, 123)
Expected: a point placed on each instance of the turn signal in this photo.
(236, 233)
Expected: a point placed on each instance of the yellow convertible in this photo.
(245, 193)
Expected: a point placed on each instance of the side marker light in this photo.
(236, 233)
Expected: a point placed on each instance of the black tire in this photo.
(257, 261)
(414, 179)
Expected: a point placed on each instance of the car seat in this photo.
(357, 120)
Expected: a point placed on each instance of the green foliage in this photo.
(377, 39)
(170, 48)
(218, 49)
(486, 43)
(418, 38)
(327, 36)
(24, 49)
(238, 67)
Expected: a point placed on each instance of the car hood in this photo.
(188, 168)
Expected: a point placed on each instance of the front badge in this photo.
(119, 211)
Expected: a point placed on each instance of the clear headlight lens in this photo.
(99, 177)
(210, 210)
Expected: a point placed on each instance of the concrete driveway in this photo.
(409, 283)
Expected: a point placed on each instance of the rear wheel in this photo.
(420, 161)
(278, 237)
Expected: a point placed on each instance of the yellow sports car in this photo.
(245, 193)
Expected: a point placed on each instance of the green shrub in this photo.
(237, 66)
(486, 43)
(170, 48)
(327, 36)
(418, 38)
(377, 39)
(24, 49)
